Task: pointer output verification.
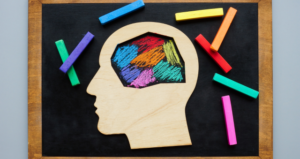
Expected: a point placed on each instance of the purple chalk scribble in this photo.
(130, 72)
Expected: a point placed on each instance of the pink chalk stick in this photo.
(229, 120)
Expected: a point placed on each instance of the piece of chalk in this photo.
(215, 45)
(199, 14)
(235, 85)
(76, 52)
(215, 55)
(61, 47)
(121, 12)
(229, 120)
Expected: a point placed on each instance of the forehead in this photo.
(147, 38)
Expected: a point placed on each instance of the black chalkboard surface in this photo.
(69, 122)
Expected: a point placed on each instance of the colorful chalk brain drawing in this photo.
(148, 60)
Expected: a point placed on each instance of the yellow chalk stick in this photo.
(199, 14)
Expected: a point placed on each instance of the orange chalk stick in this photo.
(223, 29)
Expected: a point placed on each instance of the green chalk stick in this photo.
(61, 47)
(236, 86)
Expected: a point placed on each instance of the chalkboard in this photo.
(69, 122)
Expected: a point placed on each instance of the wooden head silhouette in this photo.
(151, 116)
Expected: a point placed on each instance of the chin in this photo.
(104, 130)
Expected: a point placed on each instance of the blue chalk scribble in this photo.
(125, 55)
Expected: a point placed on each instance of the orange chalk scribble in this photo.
(150, 58)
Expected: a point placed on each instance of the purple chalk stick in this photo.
(76, 52)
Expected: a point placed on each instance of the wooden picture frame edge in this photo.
(35, 72)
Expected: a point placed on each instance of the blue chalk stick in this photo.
(121, 11)
(76, 52)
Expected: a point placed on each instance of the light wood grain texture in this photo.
(251, 157)
(152, 116)
(147, 1)
(34, 80)
(265, 77)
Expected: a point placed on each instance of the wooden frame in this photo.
(35, 72)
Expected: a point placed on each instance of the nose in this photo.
(91, 89)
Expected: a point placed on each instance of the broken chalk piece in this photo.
(227, 108)
(235, 85)
(61, 47)
(215, 45)
(199, 14)
(215, 55)
(121, 11)
(76, 52)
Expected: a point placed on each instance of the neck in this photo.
(160, 132)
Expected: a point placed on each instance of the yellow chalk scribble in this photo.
(171, 54)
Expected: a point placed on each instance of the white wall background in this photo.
(13, 78)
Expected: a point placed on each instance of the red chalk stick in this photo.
(215, 55)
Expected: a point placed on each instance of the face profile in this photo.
(144, 83)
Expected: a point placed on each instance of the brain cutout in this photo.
(148, 60)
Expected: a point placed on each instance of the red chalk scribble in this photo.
(150, 58)
(147, 43)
